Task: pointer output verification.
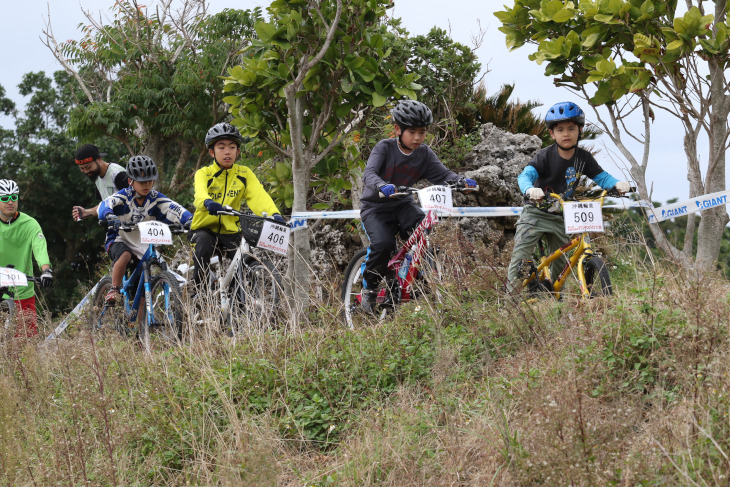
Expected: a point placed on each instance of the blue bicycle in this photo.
(150, 278)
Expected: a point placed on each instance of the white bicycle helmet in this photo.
(8, 186)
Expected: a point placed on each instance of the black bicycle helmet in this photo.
(142, 168)
(8, 186)
(411, 113)
(223, 130)
(565, 112)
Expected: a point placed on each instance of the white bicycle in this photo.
(246, 288)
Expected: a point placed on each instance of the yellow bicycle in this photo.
(590, 270)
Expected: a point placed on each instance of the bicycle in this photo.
(8, 310)
(416, 260)
(246, 287)
(163, 311)
(590, 270)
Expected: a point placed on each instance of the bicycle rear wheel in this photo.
(105, 318)
(255, 293)
(167, 308)
(597, 278)
(7, 319)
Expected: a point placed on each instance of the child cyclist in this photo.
(137, 203)
(554, 169)
(223, 183)
(402, 161)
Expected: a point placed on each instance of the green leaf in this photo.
(675, 45)
(379, 100)
(265, 31)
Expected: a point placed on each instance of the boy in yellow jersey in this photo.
(223, 183)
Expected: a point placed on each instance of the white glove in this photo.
(536, 194)
(623, 187)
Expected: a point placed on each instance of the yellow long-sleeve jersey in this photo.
(228, 187)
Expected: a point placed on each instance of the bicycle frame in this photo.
(141, 277)
(419, 243)
(579, 248)
(224, 281)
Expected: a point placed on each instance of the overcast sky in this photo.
(22, 51)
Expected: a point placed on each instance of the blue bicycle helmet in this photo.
(565, 112)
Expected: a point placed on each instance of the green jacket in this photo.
(18, 240)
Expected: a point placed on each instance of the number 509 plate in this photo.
(583, 216)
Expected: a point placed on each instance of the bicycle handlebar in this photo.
(228, 210)
(406, 190)
(128, 227)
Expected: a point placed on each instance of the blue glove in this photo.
(213, 207)
(387, 189)
(466, 183)
(279, 218)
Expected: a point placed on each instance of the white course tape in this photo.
(698, 203)
(74, 314)
(303, 216)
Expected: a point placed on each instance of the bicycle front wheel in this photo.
(352, 290)
(7, 319)
(167, 308)
(106, 317)
(597, 278)
(255, 293)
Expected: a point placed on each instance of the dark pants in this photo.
(205, 244)
(381, 224)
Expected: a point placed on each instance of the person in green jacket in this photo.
(223, 183)
(20, 238)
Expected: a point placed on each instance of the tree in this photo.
(38, 154)
(640, 56)
(153, 80)
(314, 73)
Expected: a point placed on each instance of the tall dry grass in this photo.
(477, 389)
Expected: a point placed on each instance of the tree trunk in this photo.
(712, 224)
(177, 176)
(299, 248)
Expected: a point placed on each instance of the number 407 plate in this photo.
(583, 217)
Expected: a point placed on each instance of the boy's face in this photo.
(142, 188)
(225, 152)
(411, 138)
(565, 134)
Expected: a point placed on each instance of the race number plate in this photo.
(155, 233)
(12, 277)
(274, 238)
(583, 217)
(436, 198)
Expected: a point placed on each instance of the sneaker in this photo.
(111, 296)
(368, 298)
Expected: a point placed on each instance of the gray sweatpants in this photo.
(531, 226)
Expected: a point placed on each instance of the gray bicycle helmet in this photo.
(142, 168)
(223, 130)
(8, 186)
(411, 113)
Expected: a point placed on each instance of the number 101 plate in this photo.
(583, 216)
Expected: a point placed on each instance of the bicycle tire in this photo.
(106, 318)
(255, 293)
(351, 290)
(167, 309)
(7, 319)
(597, 278)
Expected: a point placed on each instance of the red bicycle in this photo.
(414, 264)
